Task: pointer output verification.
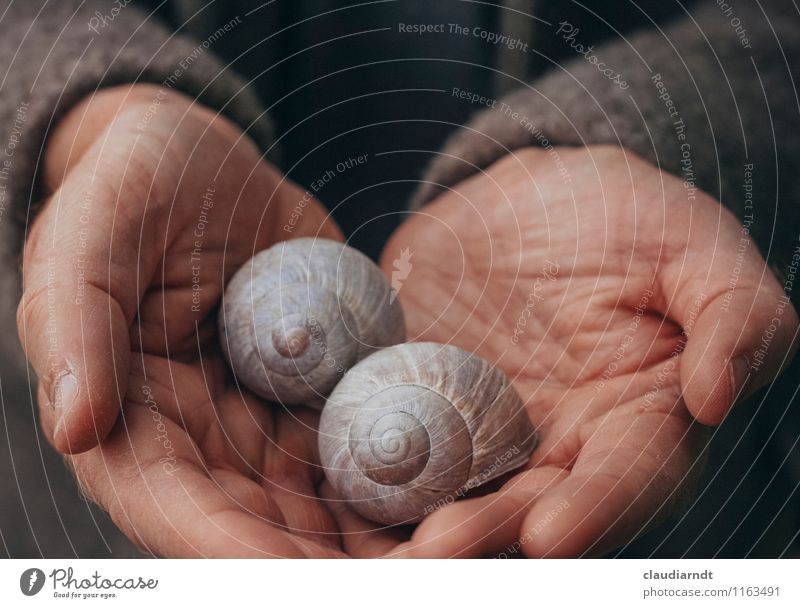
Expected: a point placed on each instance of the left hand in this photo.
(124, 267)
(584, 293)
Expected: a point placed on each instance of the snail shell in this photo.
(298, 315)
(414, 426)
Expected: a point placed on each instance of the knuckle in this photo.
(86, 477)
(30, 309)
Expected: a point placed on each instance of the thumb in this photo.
(78, 348)
(81, 267)
(742, 340)
(740, 324)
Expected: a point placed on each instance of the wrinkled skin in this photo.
(545, 279)
(194, 466)
(197, 466)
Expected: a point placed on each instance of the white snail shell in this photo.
(298, 315)
(414, 426)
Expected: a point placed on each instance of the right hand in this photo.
(123, 270)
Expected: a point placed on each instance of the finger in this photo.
(632, 471)
(360, 537)
(266, 209)
(80, 294)
(263, 454)
(725, 360)
(291, 473)
(162, 496)
(285, 508)
(480, 527)
(741, 326)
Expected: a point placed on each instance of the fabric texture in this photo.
(736, 104)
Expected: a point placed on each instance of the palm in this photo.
(241, 475)
(547, 286)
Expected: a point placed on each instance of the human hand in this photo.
(154, 201)
(583, 286)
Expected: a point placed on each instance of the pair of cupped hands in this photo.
(598, 287)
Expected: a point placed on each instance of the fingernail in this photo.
(63, 395)
(740, 373)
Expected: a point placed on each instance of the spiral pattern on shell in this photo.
(298, 315)
(413, 426)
